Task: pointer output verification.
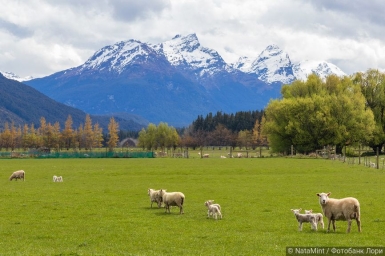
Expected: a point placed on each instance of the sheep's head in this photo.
(308, 211)
(323, 198)
(296, 211)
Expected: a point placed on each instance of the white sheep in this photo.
(211, 202)
(172, 199)
(155, 197)
(206, 155)
(319, 218)
(213, 209)
(304, 218)
(17, 175)
(57, 178)
(346, 209)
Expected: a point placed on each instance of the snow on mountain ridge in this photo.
(187, 51)
(322, 68)
(13, 76)
(118, 55)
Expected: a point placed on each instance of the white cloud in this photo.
(40, 37)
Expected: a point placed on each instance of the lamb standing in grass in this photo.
(211, 202)
(319, 218)
(304, 218)
(17, 175)
(346, 209)
(213, 209)
(172, 199)
(155, 197)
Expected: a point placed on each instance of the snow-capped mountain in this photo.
(186, 52)
(321, 68)
(173, 81)
(272, 65)
(13, 76)
(115, 58)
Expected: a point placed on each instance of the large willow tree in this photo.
(315, 113)
(372, 84)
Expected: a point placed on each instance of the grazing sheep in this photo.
(206, 155)
(213, 209)
(304, 218)
(18, 175)
(223, 156)
(319, 218)
(54, 178)
(172, 199)
(346, 209)
(155, 197)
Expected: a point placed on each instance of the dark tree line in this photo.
(240, 121)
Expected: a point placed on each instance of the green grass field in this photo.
(102, 207)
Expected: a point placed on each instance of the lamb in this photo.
(346, 209)
(57, 178)
(172, 199)
(211, 202)
(318, 217)
(304, 218)
(155, 197)
(213, 209)
(17, 175)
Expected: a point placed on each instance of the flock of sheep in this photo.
(346, 209)
(161, 196)
(20, 174)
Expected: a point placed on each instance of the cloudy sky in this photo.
(41, 37)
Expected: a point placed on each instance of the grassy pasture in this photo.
(102, 207)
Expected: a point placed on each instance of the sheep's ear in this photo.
(300, 209)
(328, 194)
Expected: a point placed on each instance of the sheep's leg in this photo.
(358, 224)
(349, 225)
(334, 225)
(300, 226)
(329, 222)
(181, 209)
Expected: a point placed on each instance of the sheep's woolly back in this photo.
(17, 175)
(345, 209)
(172, 199)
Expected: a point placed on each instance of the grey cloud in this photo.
(129, 10)
(16, 30)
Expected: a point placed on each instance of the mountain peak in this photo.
(13, 76)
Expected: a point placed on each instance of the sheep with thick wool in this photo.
(172, 199)
(304, 218)
(57, 178)
(155, 197)
(319, 218)
(346, 209)
(213, 209)
(17, 175)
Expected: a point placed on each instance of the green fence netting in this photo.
(127, 154)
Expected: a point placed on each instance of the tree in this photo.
(68, 134)
(314, 113)
(113, 129)
(88, 133)
(372, 84)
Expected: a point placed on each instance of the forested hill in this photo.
(21, 104)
